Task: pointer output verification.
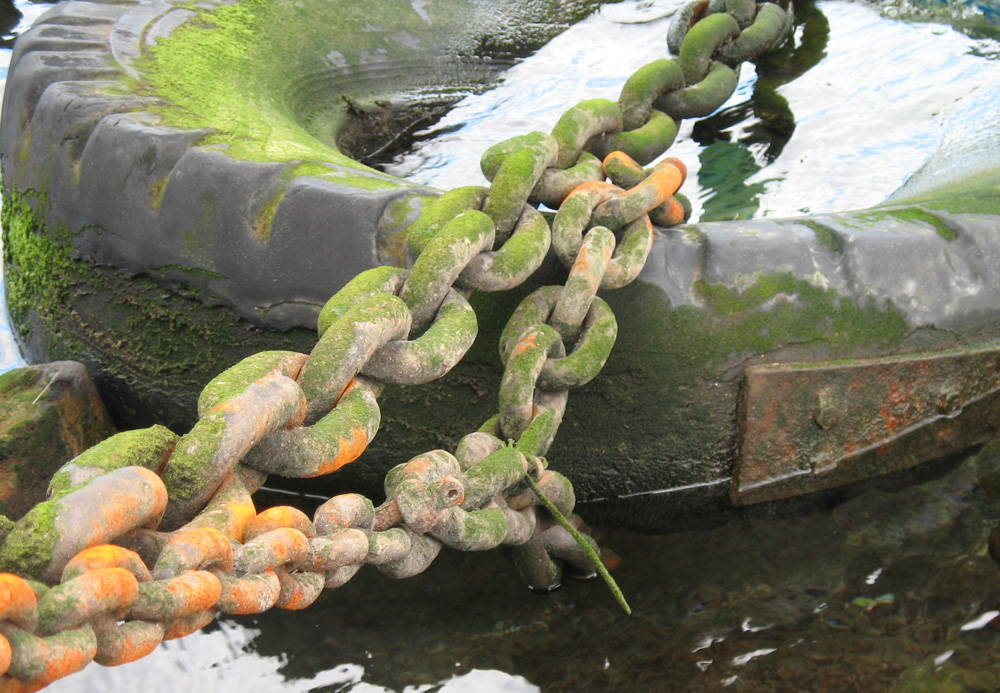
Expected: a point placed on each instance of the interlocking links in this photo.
(346, 346)
(644, 86)
(577, 213)
(442, 260)
(44, 540)
(581, 286)
(434, 353)
(514, 166)
(556, 183)
(330, 443)
(769, 27)
(589, 353)
(220, 439)
(517, 390)
(703, 98)
(515, 261)
(299, 415)
(625, 172)
(580, 123)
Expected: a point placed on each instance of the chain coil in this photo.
(148, 536)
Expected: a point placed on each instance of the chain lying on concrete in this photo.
(148, 536)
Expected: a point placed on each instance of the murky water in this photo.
(888, 590)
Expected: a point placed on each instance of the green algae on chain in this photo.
(145, 447)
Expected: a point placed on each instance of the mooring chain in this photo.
(148, 536)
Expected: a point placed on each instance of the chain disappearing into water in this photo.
(148, 536)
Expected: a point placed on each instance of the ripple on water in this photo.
(866, 116)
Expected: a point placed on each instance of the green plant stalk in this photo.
(587, 548)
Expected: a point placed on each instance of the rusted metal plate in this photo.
(807, 427)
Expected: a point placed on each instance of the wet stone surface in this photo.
(49, 414)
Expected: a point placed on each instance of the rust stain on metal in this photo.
(806, 427)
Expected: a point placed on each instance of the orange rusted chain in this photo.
(303, 415)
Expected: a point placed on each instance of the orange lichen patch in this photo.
(229, 510)
(676, 163)
(95, 592)
(276, 548)
(9, 684)
(279, 516)
(4, 655)
(40, 661)
(671, 212)
(593, 189)
(338, 549)
(185, 625)
(419, 466)
(17, 601)
(298, 590)
(528, 342)
(191, 549)
(106, 556)
(349, 450)
(249, 594)
(344, 510)
(241, 513)
(194, 591)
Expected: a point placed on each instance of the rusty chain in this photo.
(148, 536)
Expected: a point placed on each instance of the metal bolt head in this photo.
(827, 418)
(950, 403)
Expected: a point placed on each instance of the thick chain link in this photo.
(148, 536)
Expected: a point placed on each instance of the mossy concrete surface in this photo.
(49, 414)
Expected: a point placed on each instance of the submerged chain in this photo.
(148, 536)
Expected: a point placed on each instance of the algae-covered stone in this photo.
(49, 414)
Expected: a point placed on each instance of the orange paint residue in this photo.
(5, 655)
(106, 556)
(528, 341)
(17, 599)
(195, 591)
(109, 588)
(199, 547)
(186, 625)
(279, 516)
(349, 450)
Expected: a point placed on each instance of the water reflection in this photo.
(840, 120)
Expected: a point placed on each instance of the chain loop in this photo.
(307, 415)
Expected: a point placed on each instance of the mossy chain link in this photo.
(148, 536)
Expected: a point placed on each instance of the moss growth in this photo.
(28, 548)
(262, 74)
(176, 343)
(825, 236)
(147, 447)
(916, 214)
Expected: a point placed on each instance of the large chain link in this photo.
(148, 536)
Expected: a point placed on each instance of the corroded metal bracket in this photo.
(807, 427)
